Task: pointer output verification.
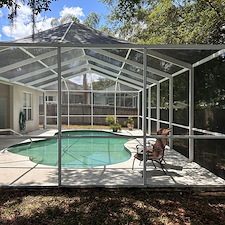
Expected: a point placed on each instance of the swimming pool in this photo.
(77, 152)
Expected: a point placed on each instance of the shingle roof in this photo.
(74, 33)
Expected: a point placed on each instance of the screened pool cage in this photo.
(72, 75)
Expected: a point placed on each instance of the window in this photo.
(27, 106)
(77, 99)
(50, 98)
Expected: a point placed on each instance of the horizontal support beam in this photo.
(122, 45)
(119, 69)
(55, 75)
(105, 72)
(135, 86)
(56, 81)
(133, 63)
(169, 59)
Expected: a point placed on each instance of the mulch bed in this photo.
(110, 206)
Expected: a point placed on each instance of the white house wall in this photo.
(4, 106)
(17, 99)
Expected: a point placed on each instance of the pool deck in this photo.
(19, 171)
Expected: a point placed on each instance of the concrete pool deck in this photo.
(17, 170)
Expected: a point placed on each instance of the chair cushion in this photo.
(138, 156)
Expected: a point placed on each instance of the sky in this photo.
(22, 25)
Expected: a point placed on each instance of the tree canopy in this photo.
(91, 21)
(177, 22)
(36, 6)
(102, 83)
(169, 21)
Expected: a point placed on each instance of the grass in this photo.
(109, 206)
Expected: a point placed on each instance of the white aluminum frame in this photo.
(59, 48)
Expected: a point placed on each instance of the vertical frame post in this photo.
(149, 110)
(68, 109)
(171, 109)
(191, 113)
(138, 111)
(144, 114)
(59, 117)
(45, 110)
(115, 103)
(158, 107)
(92, 107)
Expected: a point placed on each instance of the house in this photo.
(70, 94)
(15, 99)
(126, 96)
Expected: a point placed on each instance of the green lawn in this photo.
(109, 206)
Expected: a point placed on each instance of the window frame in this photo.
(28, 105)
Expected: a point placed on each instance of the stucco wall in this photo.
(4, 98)
(17, 99)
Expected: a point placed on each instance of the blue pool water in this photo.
(77, 152)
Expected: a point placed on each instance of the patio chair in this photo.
(155, 152)
(152, 154)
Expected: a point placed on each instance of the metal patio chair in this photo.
(152, 154)
(155, 152)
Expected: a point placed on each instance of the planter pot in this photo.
(130, 126)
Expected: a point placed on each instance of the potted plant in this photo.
(113, 123)
(130, 123)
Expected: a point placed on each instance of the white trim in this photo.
(191, 114)
(39, 71)
(169, 59)
(213, 56)
(133, 63)
(119, 46)
(59, 118)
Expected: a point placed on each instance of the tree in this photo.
(107, 30)
(36, 6)
(92, 20)
(169, 21)
(178, 22)
(210, 82)
(65, 19)
(102, 83)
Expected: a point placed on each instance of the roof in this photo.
(120, 87)
(34, 61)
(73, 33)
(66, 85)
